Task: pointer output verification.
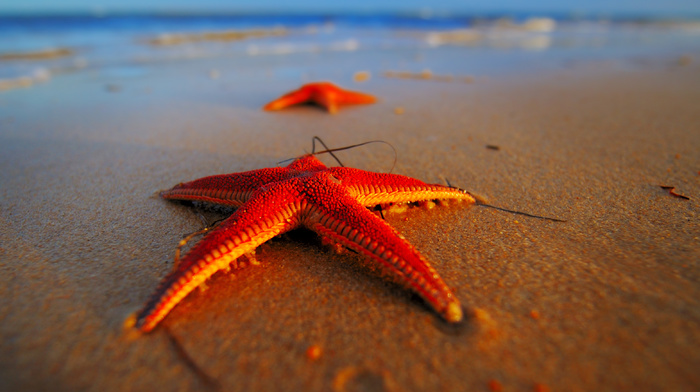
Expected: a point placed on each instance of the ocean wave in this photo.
(215, 36)
(61, 46)
(533, 33)
(37, 75)
(37, 55)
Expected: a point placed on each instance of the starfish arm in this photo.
(355, 227)
(332, 97)
(371, 189)
(346, 97)
(228, 189)
(327, 99)
(291, 98)
(267, 214)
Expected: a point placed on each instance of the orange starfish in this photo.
(325, 94)
(330, 201)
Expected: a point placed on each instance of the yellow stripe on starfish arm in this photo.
(370, 189)
(373, 195)
(211, 255)
(210, 196)
(227, 189)
(397, 258)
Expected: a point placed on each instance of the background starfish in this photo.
(330, 201)
(325, 94)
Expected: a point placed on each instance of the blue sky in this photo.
(589, 6)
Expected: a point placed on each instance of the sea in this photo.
(36, 49)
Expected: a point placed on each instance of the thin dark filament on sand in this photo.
(313, 149)
(210, 382)
(332, 150)
(480, 203)
(327, 150)
(381, 212)
(520, 213)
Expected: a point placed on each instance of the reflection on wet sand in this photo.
(44, 54)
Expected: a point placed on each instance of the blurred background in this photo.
(599, 7)
(42, 39)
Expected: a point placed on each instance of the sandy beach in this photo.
(608, 300)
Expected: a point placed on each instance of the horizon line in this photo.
(418, 13)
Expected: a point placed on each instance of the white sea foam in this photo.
(455, 37)
(37, 75)
(348, 45)
(97, 48)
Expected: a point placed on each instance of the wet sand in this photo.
(608, 300)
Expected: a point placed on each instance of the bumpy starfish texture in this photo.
(330, 201)
(324, 94)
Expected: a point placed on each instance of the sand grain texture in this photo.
(608, 300)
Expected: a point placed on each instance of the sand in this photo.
(608, 300)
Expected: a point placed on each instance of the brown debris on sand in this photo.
(672, 191)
